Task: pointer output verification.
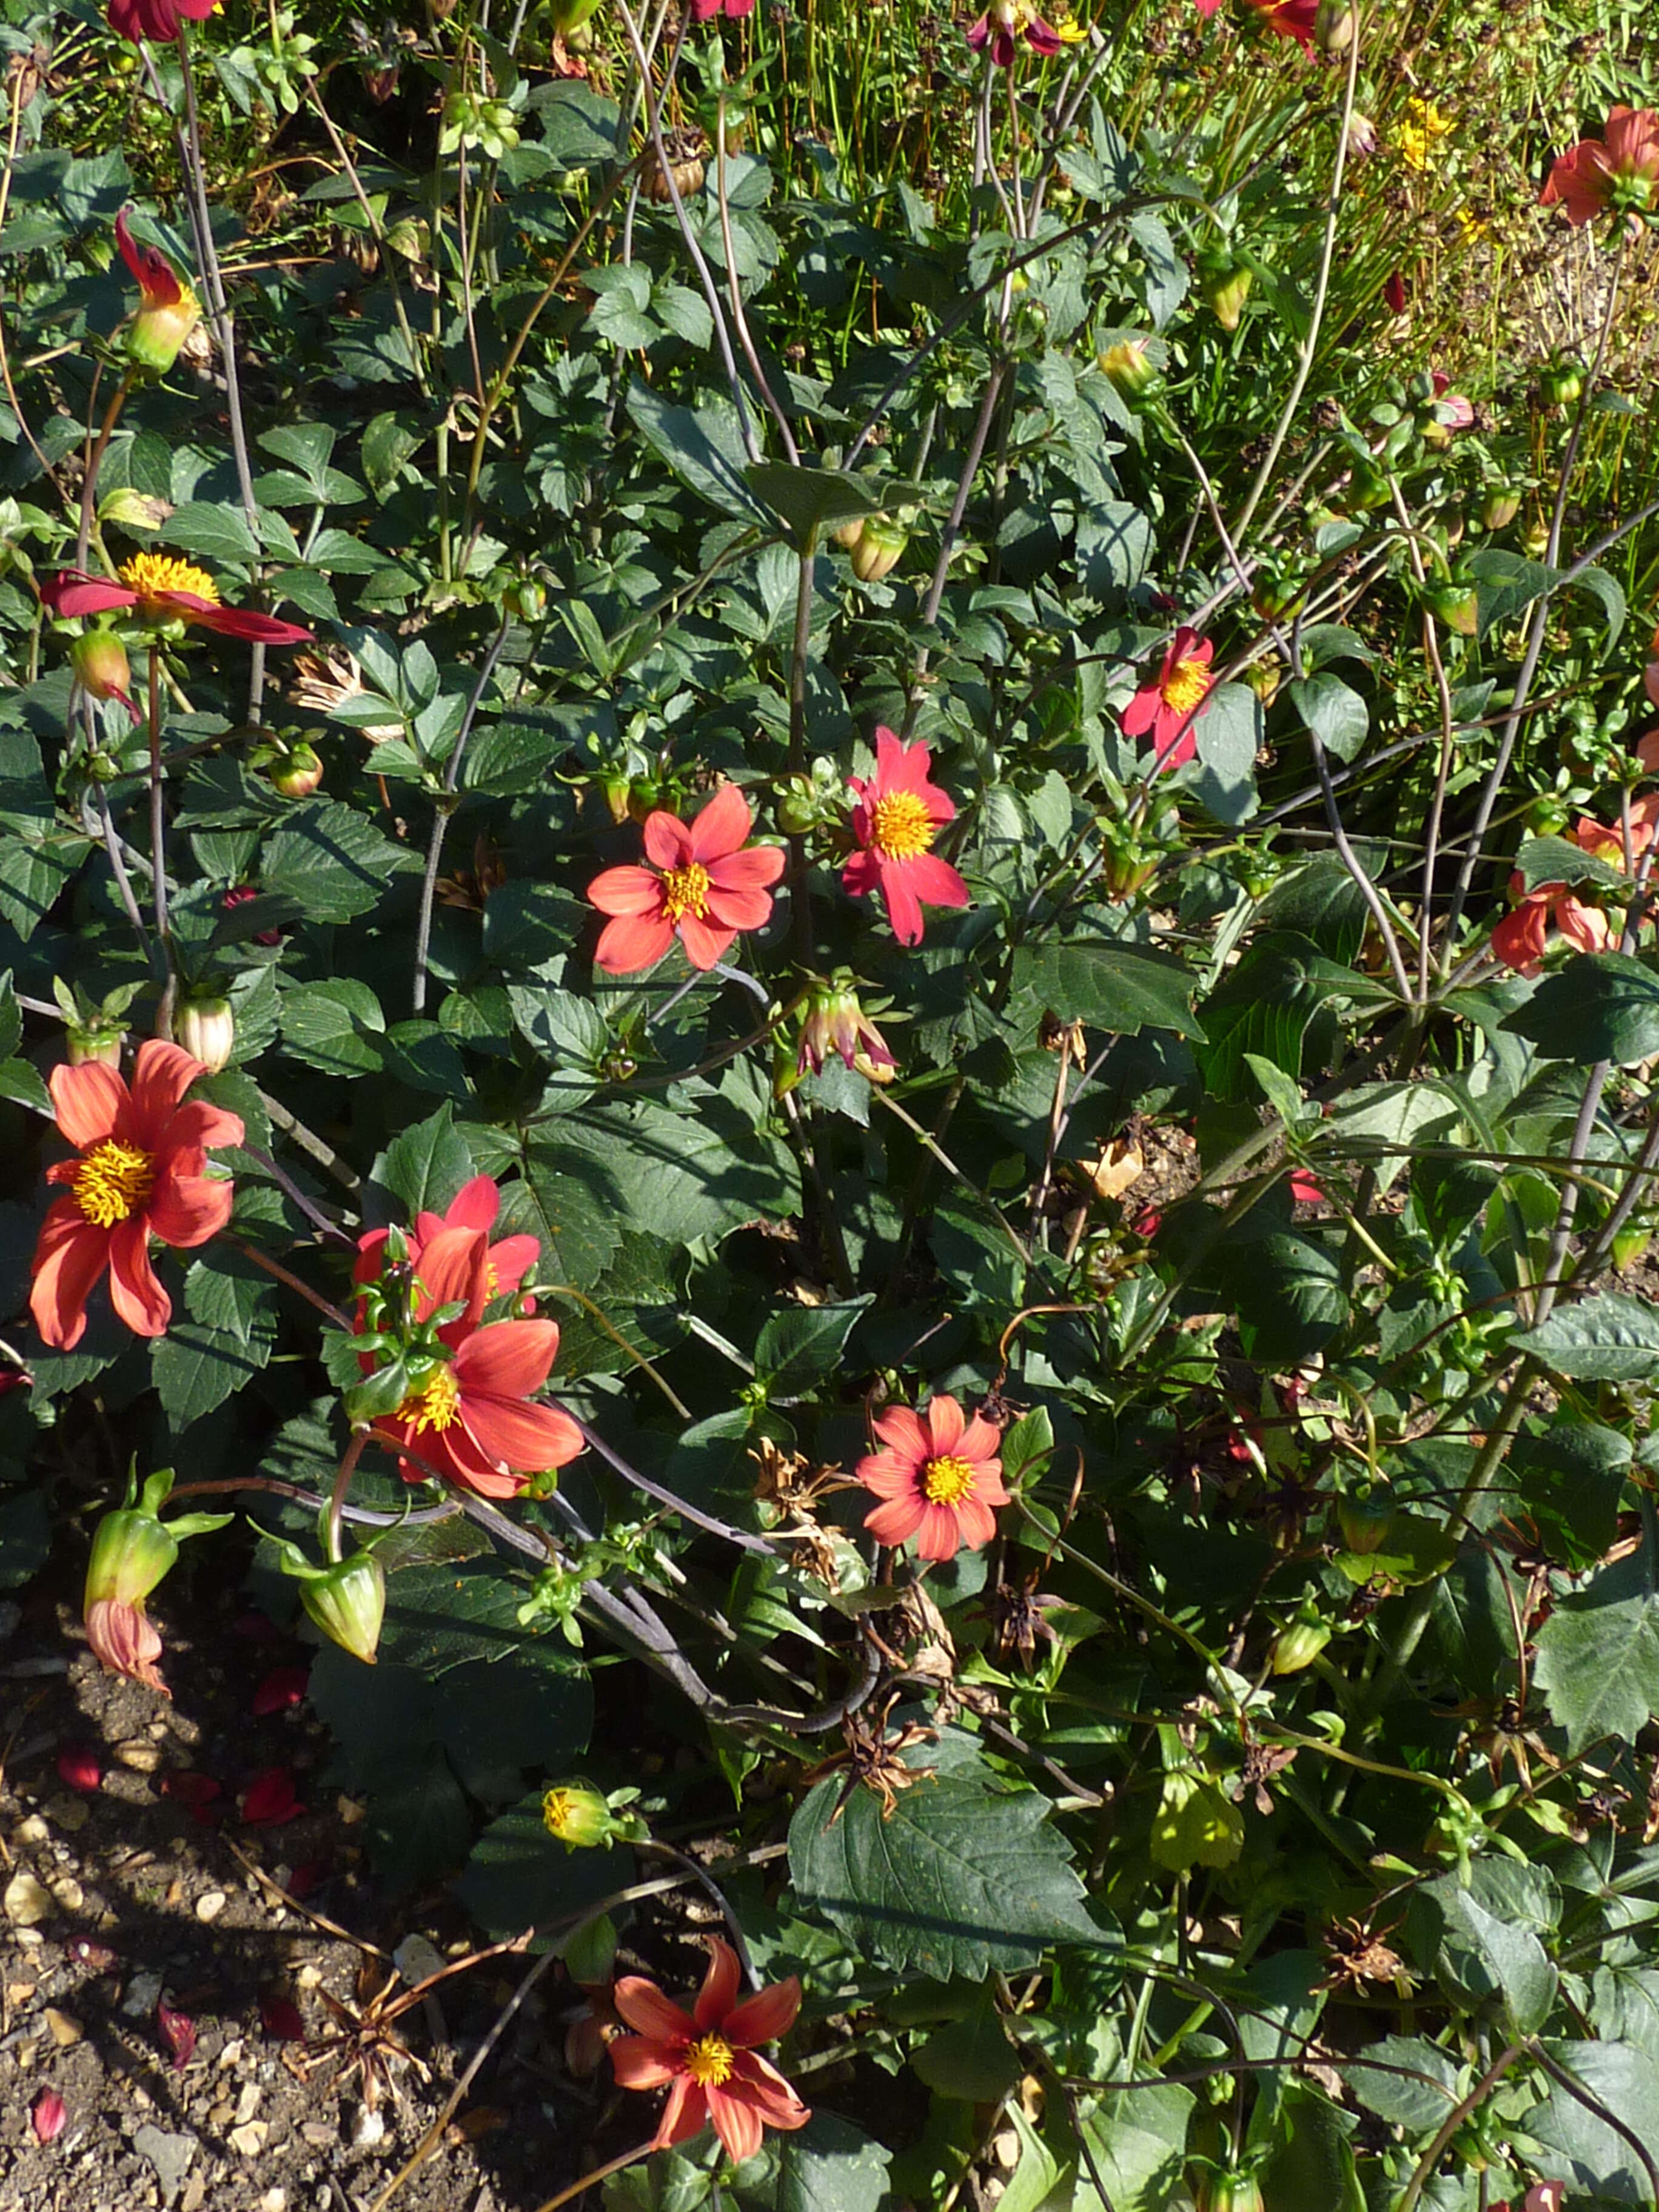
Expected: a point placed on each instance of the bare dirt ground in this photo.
(131, 1906)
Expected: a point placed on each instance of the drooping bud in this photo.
(1363, 141)
(131, 1550)
(833, 1021)
(1499, 506)
(879, 546)
(1456, 606)
(1362, 1516)
(1561, 384)
(347, 1603)
(847, 534)
(102, 669)
(1224, 285)
(1335, 26)
(297, 773)
(167, 310)
(1299, 1645)
(94, 1041)
(578, 1816)
(206, 1028)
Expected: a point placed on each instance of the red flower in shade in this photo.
(474, 1208)
(1621, 171)
(701, 886)
(707, 2057)
(163, 590)
(471, 1419)
(703, 10)
(139, 1173)
(178, 2032)
(938, 1479)
(78, 1768)
(1174, 701)
(138, 20)
(280, 1689)
(1519, 939)
(897, 814)
(1005, 24)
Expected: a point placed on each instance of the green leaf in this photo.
(809, 499)
(1334, 712)
(1598, 1662)
(225, 1290)
(334, 1025)
(196, 1368)
(704, 449)
(332, 860)
(1490, 1956)
(1416, 2104)
(959, 1880)
(388, 442)
(1290, 1294)
(1601, 1006)
(1507, 583)
(20, 1079)
(426, 1165)
(970, 2058)
(1228, 736)
(830, 2166)
(800, 1346)
(1606, 1338)
(212, 532)
(1111, 985)
(1558, 861)
(1138, 2140)
(1622, 2079)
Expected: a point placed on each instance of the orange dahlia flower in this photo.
(703, 883)
(1169, 706)
(1619, 170)
(898, 812)
(706, 2058)
(938, 1480)
(139, 1173)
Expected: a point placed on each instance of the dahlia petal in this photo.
(245, 623)
(685, 2114)
(905, 1431)
(451, 1268)
(198, 1127)
(900, 767)
(640, 2064)
(704, 946)
(721, 1984)
(980, 32)
(632, 942)
(976, 1523)
(163, 1073)
(736, 2123)
(763, 2017)
(73, 593)
(527, 1439)
(756, 868)
(903, 908)
(124, 1641)
(642, 2007)
(69, 1256)
(944, 1422)
(886, 1475)
(134, 1289)
(1586, 926)
(739, 909)
(766, 2090)
(632, 891)
(667, 841)
(896, 1521)
(939, 1533)
(475, 1205)
(1142, 711)
(862, 874)
(89, 1101)
(187, 1210)
(511, 1260)
(721, 826)
(508, 1358)
(935, 882)
(981, 1442)
(1043, 37)
(151, 272)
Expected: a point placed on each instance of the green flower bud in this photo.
(1224, 285)
(347, 1601)
(577, 1815)
(1499, 506)
(1128, 369)
(1333, 31)
(1299, 1645)
(879, 545)
(1363, 1517)
(206, 1028)
(101, 667)
(1457, 607)
(298, 773)
(94, 1041)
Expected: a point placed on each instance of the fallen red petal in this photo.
(48, 2113)
(271, 1799)
(78, 1767)
(309, 1875)
(282, 1687)
(177, 2033)
(280, 2017)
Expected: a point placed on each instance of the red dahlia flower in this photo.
(702, 10)
(707, 2057)
(1002, 25)
(138, 20)
(140, 1174)
(898, 814)
(474, 1206)
(164, 590)
(1173, 702)
(939, 1479)
(1618, 172)
(701, 886)
(471, 1418)
(1290, 19)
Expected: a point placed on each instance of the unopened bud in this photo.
(347, 1603)
(298, 773)
(578, 1816)
(1128, 369)
(1335, 26)
(1498, 506)
(1223, 284)
(880, 544)
(1298, 1646)
(1456, 606)
(156, 335)
(94, 1041)
(101, 667)
(206, 1028)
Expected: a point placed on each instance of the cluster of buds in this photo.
(875, 543)
(583, 1820)
(470, 119)
(131, 1549)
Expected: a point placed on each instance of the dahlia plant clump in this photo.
(828, 1024)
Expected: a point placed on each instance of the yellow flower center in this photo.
(1186, 685)
(113, 1183)
(149, 574)
(685, 890)
(436, 1405)
(901, 826)
(947, 1480)
(709, 2061)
